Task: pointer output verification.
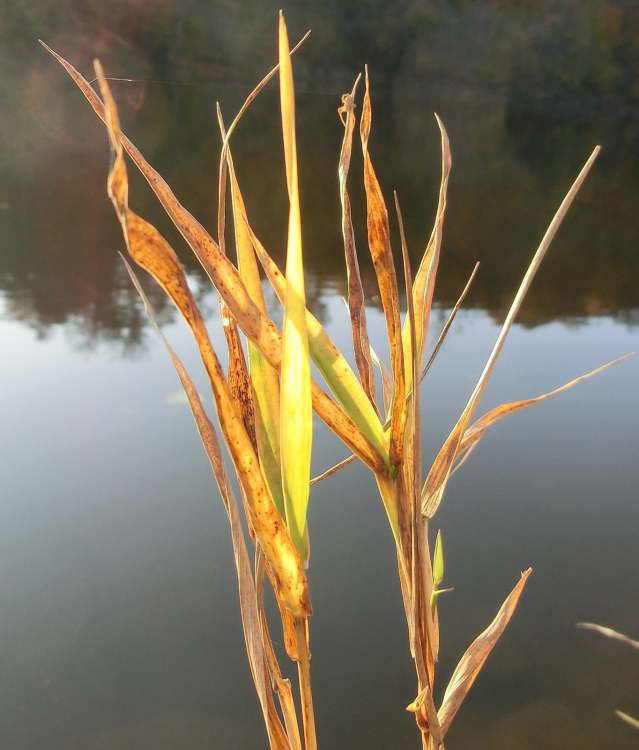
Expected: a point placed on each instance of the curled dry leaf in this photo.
(382, 255)
(356, 306)
(151, 251)
(473, 660)
(437, 479)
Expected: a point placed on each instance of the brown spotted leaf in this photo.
(381, 253)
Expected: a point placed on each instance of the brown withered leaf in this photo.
(225, 277)
(477, 430)
(356, 305)
(151, 251)
(251, 625)
(473, 660)
(382, 255)
(437, 479)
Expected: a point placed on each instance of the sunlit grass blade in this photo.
(439, 474)
(356, 306)
(296, 413)
(264, 377)
(449, 322)
(381, 253)
(628, 719)
(424, 284)
(387, 382)
(609, 633)
(477, 430)
(251, 625)
(337, 374)
(151, 251)
(473, 660)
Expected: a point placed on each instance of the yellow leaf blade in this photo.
(296, 417)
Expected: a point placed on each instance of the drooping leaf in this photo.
(152, 252)
(478, 429)
(437, 479)
(226, 278)
(356, 306)
(381, 253)
(473, 660)
(296, 411)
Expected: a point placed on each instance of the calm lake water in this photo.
(120, 625)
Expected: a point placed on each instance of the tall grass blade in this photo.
(296, 411)
(473, 660)
(437, 479)
(356, 306)
(381, 253)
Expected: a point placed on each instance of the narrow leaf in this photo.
(296, 411)
(424, 285)
(477, 430)
(356, 306)
(473, 660)
(449, 321)
(381, 253)
(264, 377)
(437, 479)
(438, 560)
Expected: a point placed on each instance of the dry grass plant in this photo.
(266, 397)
